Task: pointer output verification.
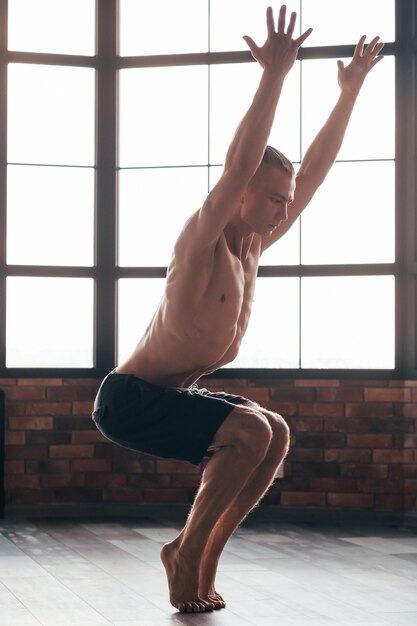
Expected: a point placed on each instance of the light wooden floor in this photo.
(108, 572)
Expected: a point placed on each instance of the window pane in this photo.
(344, 22)
(371, 130)
(163, 116)
(232, 87)
(56, 26)
(138, 300)
(49, 322)
(348, 322)
(50, 215)
(163, 27)
(351, 219)
(230, 20)
(53, 124)
(272, 338)
(153, 207)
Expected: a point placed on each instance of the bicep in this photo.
(207, 224)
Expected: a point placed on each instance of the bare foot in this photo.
(182, 577)
(206, 588)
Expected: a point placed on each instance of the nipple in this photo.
(223, 298)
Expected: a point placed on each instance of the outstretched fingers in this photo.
(301, 39)
(281, 19)
(359, 47)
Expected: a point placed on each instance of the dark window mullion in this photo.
(3, 177)
(106, 94)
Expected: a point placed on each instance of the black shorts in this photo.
(169, 422)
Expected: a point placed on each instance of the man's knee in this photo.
(248, 430)
(280, 434)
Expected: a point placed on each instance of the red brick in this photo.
(72, 422)
(48, 408)
(48, 466)
(407, 410)
(380, 486)
(32, 496)
(25, 393)
(43, 382)
(345, 425)
(145, 481)
(350, 500)
(351, 382)
(410, 486)
(286, 409)
(81, 393)
(405, 470)
(333, 484)
(393, 456)
(303, 499)
(176, 467)
(14, 408)
(50, 437)
(165, 495)
(8, 382)
(384, 501)
(186, 480)
(81, 408)
(410, 441)
(105, 480)
(307, 424)
(26, 452)
(91, 465)
(319, 382)
(320, 440)
(364, 470)
(30, 423)
(123, 494)
(369, 409)
(15, 438)
(87, 436)
(131, 466)
(295, 394)
(77, 494)
(323, 409)
(62, 480)
(340, 394)
(17, 481)
(344, 454)
(402, 383)
(14, 467)
(369, 441)
(387, 395)
(71, 452)
(305, 454)
(94, 383)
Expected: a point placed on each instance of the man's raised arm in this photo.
(245, 153)
(323, 151)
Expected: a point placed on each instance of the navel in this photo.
(223, 298)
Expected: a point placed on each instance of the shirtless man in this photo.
(151, 403)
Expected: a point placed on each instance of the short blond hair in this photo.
(274, 157)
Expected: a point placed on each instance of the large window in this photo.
(117, 117)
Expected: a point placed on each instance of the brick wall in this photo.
(354, 445)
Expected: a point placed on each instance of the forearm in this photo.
(251, 137)
(323, 151)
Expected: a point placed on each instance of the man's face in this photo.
(266, 200)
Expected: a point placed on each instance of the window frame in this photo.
(105, 271)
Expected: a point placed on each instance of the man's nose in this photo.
(282, 213)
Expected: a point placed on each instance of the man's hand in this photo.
(280, 50)
(351, 77)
